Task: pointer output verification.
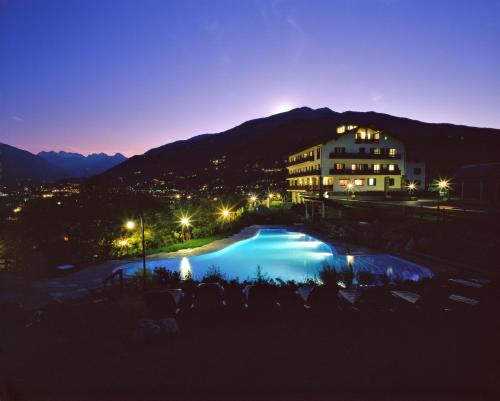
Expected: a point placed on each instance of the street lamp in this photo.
(443, 186)
(349, 188)
(130, 225)
(411, 187)
(184, 222)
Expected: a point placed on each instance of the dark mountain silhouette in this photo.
(251, 152)
(22, 167)
(76, 165)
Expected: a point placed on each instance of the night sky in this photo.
(126, 76)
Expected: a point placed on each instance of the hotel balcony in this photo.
(396, 171)
(334, 155)
(305, 188)
(313, 173)
(366, 140)
(301, 160)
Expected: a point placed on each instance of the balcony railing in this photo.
(366, 140)
(305, 188)
(344, 171)
(346, 155)
(301, 160)
(312, 173)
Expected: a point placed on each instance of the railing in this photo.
(334, 155)
(301, 160)
(313, 173)
(372, 140)
(305, 188)
(396, 171)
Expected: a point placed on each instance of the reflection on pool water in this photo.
(286, 255)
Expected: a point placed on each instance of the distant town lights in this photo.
(17, 209)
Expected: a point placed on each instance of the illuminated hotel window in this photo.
(327, 181)
(350, 127)
(392, 152)
(353, 167)
(376, 151)
(391, 167)
(341, 129)
(339, 166)
(343, 182)
(372, 182)
(376, 167)
(359, 182)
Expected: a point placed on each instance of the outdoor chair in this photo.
(161, 304)
(289, 300)
(323, 299)
(208, 297)
(261, 298)
(375, 299)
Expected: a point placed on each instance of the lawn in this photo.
(192, 243)
(86, 352)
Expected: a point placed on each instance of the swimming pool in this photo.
(282, 254)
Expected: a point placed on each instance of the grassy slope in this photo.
(193, 243)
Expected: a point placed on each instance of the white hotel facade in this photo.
(359, 159)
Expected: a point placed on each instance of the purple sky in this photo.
(126, 76)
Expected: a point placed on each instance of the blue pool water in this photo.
(282, 254)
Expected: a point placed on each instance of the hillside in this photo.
(22, 167)
(245, 154)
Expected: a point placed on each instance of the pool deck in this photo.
(35, 294)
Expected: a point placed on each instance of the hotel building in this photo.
(359, 159)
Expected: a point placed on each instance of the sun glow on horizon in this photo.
(282, 108)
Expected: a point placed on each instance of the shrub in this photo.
(213, 275)
(165, 277)
(347, 276)
(365, 278)
(328, 275)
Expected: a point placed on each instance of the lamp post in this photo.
(253, 200)
(130, 225)
(225, 213)
(269, 198)
(185, 223)
(349, 189)
(411, 187)
(443, 186)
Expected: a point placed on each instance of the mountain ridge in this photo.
(266, 142)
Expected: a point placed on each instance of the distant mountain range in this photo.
(76, 165)
(22, 167)
(255, 152)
